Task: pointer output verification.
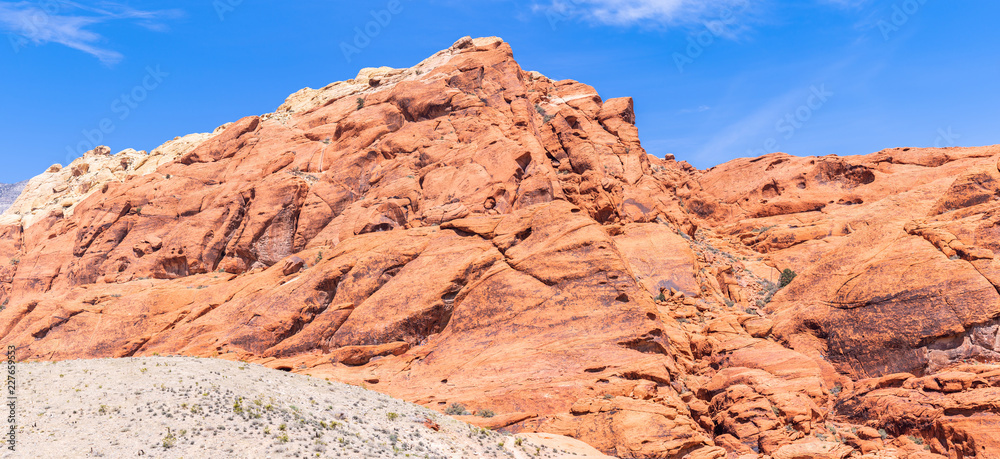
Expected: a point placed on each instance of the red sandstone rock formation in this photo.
(465, 231)
(897, 286)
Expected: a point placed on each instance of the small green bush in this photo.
(787, 276)
(361, 103)
(456, 409)
(170, 440)
(487, 413)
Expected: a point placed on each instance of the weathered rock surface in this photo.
(895, 259)
(466, 232)
(439, 233)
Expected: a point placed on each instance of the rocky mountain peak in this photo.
(465, 232)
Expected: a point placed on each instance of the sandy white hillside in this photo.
(174, 407)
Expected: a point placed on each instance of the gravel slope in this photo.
(174, 407)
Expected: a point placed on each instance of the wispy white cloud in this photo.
(643, 12)
(699, 109)
(666, 12)
(71, 24)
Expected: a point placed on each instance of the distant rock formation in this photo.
(9, 193)
(60, 188)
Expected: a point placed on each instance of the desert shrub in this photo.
(769, 289)
(361, 103)
(456, 409)
(787, 276)
(487, 413)
(170, 440)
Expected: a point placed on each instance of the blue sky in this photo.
(712, 80)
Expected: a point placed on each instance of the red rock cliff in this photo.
(465, 231)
